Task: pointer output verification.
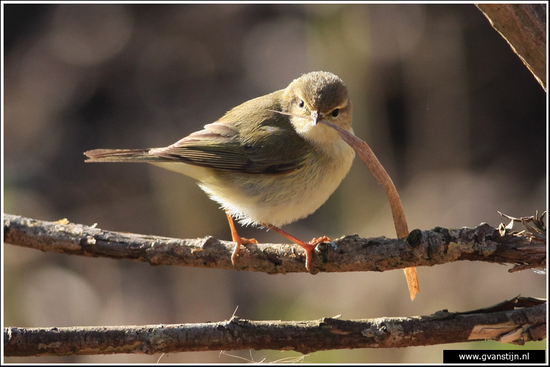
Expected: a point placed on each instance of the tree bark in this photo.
(526, 249)
(523, 26)
(515, 321)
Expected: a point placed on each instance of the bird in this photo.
(268, 161)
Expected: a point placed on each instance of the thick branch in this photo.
(523, 26)
(505, 322)
(349, 253)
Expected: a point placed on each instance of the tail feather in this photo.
(122, 155)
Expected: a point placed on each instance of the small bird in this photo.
(268, 161)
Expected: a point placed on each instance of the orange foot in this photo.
(237, 239)
(308, 247)
(240, 241)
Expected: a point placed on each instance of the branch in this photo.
(350, 253)
(524, 28)
(516, 321)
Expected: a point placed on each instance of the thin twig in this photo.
(368, 157)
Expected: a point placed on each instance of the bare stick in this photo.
(350, 253)
(515, 321)
(369, 158)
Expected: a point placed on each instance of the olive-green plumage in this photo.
(266, 161)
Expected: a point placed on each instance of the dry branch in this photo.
(516, 321)
(350, 253)
(523, 26)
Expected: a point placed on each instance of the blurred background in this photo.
(451, 112)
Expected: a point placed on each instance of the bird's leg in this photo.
(237, 239)
(308, 247)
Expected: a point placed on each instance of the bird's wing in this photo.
(268, 148)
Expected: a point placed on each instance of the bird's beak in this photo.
(315, 117)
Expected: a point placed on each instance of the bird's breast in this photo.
(283, 198)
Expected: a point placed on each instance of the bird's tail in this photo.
(122, 155)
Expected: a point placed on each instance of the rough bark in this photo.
(523, 26)
(515, 321)
(526, 249)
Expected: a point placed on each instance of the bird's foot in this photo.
(309, 247)
(237, 239)
(240, 241)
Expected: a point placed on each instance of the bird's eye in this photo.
(301, 103)
(335, 112)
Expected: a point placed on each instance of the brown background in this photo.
(450, 110)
